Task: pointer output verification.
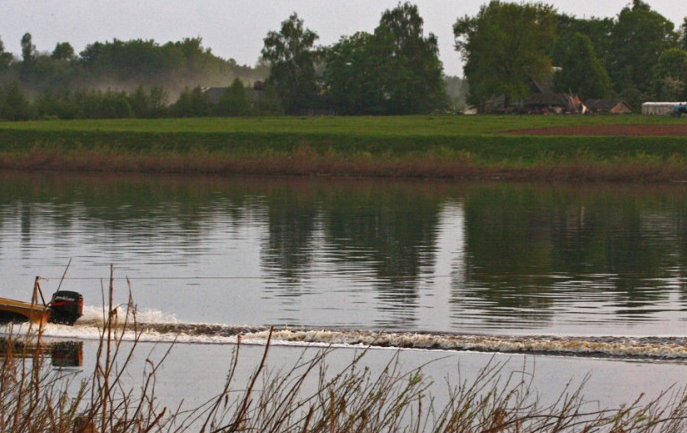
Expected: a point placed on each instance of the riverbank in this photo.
(291, 390)
(453, 147)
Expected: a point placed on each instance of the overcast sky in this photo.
(235, 29)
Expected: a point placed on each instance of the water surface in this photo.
(441, 257)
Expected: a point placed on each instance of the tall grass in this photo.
(303, 397)
(438, 163)
(469, 147)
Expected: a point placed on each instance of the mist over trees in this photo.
(122, 65)
(395, 69)
(137, 78)
(636, 56)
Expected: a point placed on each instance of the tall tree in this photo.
(683, 34)
(598, 30)
(292, 57)
(191, 103)
(63, 51)
(670, 75)
(14, 105)
(56, 103)
(581, 71)
(28, 49)
(268, 103)
(638, 39)
(354, 74)
(415, 84)
(234, 101)
(5, 57)
(505, 47)
(396, 70)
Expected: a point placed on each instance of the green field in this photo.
(409, 146)
(378, 126)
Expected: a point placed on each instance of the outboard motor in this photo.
(66, 307)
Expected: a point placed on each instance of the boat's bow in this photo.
(19, 311)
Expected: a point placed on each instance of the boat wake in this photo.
(647, 348)
(152, 326)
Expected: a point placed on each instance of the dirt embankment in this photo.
(608, 130)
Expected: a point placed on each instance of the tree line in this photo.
(120, 79)
(393, 70)
(636, 56)
(141, 103)
(123, 65)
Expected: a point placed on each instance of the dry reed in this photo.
(303, 161)
(303, 397)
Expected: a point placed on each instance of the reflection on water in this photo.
(442, 257)
(62, 353)
(607, 254)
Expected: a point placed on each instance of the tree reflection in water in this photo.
(523, 255)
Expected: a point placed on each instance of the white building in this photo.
(660, 108)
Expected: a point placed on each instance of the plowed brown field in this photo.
(618, 130)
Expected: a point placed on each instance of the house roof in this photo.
(542, 86)
(606, 104)
(547, 99)
(214, 93)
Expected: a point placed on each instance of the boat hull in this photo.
(19, 311)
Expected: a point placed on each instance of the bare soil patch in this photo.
(617, 130)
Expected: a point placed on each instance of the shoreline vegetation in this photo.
(421, 147)
(304, 397)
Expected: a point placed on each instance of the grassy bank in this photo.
(307, 397)
(463, 147)
(304, 397)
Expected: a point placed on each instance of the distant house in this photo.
(544, 85)
(558, 103)
(544, 100)
(608, 106)
(495, 104)
(213, 93)
(659, 108)
(254, 93)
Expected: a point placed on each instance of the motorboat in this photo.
(65, 307)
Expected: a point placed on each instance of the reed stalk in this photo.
(303, 397)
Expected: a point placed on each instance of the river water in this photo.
(565, 270)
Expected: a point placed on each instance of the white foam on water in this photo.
(156, 326)
(94, 315)
(615, 347)
(155, 316)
